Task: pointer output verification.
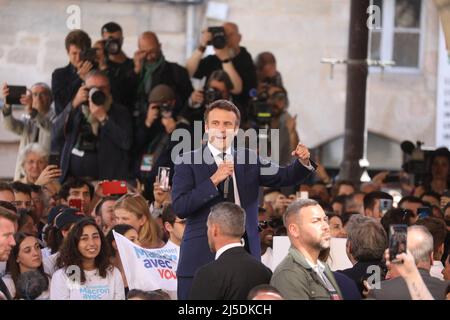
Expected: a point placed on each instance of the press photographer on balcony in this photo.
(152, 141)
(219, 86)
(119, 67)
(228, 56)
(97, 133)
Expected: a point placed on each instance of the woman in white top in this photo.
(25, 256)
(85, 270)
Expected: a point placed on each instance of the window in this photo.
(401, 34)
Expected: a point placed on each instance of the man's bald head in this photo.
(232, 34)
(231, 26)
(148, 42)
(149, 36)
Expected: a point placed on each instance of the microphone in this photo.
(226, 185)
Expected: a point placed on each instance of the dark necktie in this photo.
(230, 195)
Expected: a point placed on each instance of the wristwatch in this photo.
(226, 60)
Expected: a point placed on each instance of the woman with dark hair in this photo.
(131, 234)
(437, 179)
(336, 225)
(26, 222)
(25, 256)
(85, 270)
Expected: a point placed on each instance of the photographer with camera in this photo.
(152, 142)
(67, 80)
(119, 67)
(229, 56)
(153, 69)
(36, 123)
(269, 110)
(97, 133)
(218, 87)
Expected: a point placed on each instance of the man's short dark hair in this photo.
(75, 183)
(111, 27)
(433, 194)
(437, 228)
(412, 199)
(221, 76)
(168, 215)
(20, 187)
(4, 186)
(78, 38)
(35, 188)
(223, 105)
(296, 206)
(98, 207)
(371, 197)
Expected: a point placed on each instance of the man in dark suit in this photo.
(234, 272)
(67, 80)
(420, 244)
(208, 176)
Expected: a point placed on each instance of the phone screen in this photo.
(15, 92)
(75, 203)
(54, 159)
(114, 187)
(397, 240)
(424, 212)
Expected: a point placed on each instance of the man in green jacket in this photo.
(301, 275)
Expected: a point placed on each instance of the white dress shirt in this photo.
(226, 247)
(217, 158)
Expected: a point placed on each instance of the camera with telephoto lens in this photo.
(211, 95)
(97, 96)
(87, 141)
(218, 41)
(112, 46)
(164, 110)
(415, 161)
(260, 109)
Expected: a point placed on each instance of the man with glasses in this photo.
(35, 124)
(96, 132)
(153, 69)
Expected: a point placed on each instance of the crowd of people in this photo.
(91, 148)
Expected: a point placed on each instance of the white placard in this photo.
(146, 269)
(337, 260)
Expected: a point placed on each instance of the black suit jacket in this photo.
(396, 289)
(230, 277)
(65, 85)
